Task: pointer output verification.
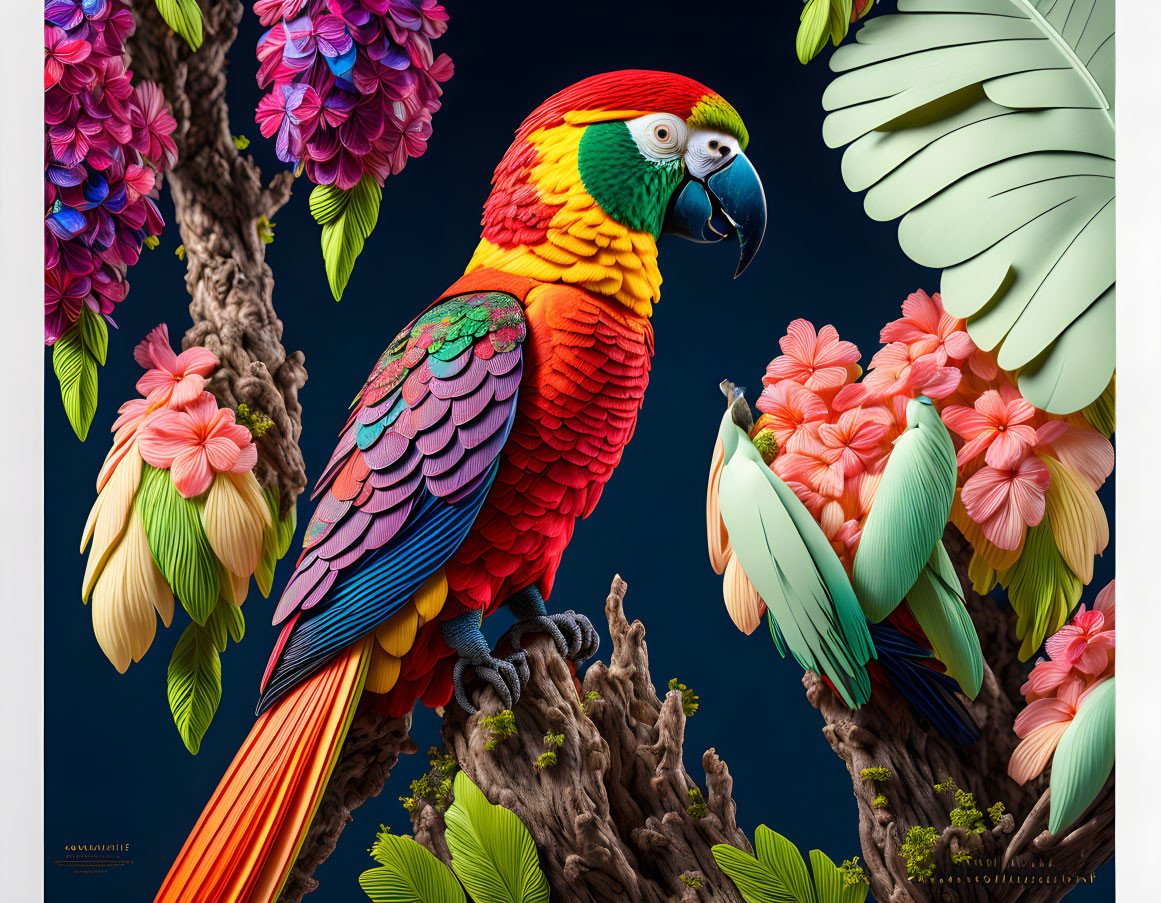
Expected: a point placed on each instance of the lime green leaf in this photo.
(755, 882)
(812, 29)
(988, 129)
(909, 514)
(185, 18)
(241, 142)
(782, 858)
(778, 874)
(1084, 759)
(347, 218)
(408, 873)
(225, 620)
(492, 852)
(195, 685)
(1042, 588)
(173, 526)
(75, 357)
(829, 883)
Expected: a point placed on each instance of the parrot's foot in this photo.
(507, 676)
(575, 637)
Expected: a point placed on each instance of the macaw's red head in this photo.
(600, 170)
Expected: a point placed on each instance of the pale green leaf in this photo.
(785, 555)
(910, 511)
(1084, 759)
(492, 852)
(937, 602)
(173, 526)
(988, 127)
(195, 685)
(185, 18)
(408, 873)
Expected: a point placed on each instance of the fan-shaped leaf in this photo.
(779, 875)
(185, 18)
(988, 126)
(179, 544)
(408, 873)
(911, 508)
(1084, 759)
(492, 852)
(195, 684)
(347, 218)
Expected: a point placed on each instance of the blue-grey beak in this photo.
(729, 202)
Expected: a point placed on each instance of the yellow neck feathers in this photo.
(582, 246)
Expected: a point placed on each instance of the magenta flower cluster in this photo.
(353, 84)
(104, 141)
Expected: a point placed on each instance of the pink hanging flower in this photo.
(153, 125)
(1005, 502)
(789, 407)
(997, 425)
(195, 443)
(817, 361)
(171, 380)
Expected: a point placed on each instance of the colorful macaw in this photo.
(488, 427)
(775, 557)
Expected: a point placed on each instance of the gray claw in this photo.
(506, 676)
(574, 635)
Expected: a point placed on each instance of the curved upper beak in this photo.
(728, 202)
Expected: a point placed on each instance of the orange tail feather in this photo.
(244, 844)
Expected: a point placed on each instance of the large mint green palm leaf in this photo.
(1084, 759)
(988, 126)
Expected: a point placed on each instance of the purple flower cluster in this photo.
(353, 84)
(104, 141)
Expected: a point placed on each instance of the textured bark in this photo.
(219, 197)
(372, 748)
(609, 818)
(883, 734)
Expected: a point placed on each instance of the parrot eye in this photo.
(659, 137)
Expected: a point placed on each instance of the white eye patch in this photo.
(660, 136)
(708, 150)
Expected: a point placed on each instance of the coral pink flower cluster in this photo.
(104, 142)
(353, 84)
(835, 434)
(1081, 655)
(178, 426)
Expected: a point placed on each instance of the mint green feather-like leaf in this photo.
(178, 541)
(1084, 759)
(784, 553)
(195, 684)
(493, 854)
(910, 511)
(408, 873)
(988, 127)
(937, 602)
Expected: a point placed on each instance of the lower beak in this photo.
(729, 202)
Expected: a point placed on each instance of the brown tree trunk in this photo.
(219, 198)
(883, 734)
(610, 817)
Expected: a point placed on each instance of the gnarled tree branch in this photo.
(883, 733)
(219, 198)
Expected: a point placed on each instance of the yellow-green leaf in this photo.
(185, 18)
(347, 218)
(75, 357)
(195, 685)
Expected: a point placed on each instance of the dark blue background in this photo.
(116, 770)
